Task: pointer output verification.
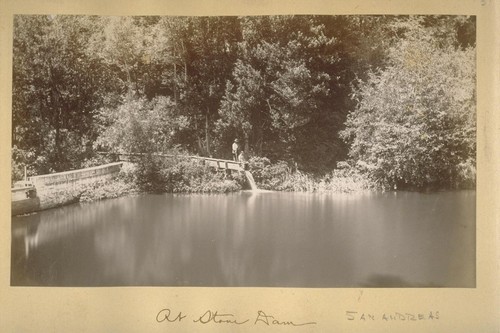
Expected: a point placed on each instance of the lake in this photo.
(252, 239)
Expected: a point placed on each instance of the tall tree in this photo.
(198, 54)
(55, 90)
(283, 91)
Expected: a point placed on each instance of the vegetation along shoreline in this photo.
(316, 103)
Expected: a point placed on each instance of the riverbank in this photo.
(156, 176)
(152, 175)
(188, 176)
(280, 176)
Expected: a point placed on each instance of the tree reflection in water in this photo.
(252, 239)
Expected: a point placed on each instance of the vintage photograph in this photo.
(294, 151)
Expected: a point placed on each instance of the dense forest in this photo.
(391, 97)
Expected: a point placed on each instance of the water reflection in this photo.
(252, 239)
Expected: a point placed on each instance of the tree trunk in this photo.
(259, 140)
(57, 144)
(56, 111)
(207, 134)
(175, 82)
(198, 138)
(184, 61)
(129, 78)
(247, 146)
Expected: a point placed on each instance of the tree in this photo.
(283, 93)
(197, 55)
(414, 122)
(56, 89)
(120, 44)
(140, 126)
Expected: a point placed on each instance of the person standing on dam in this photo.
(236, 149)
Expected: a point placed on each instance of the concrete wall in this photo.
(69, 178)
(57, 189)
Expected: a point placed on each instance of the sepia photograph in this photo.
(249, 166)
(290, 151)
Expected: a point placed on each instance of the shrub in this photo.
(20, 159)
(281, 177)
(180, 175)
(106, 189)
(149, 177)
(414, 121)
(185, 175)
(268, 176)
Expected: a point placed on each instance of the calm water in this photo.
(394, 239)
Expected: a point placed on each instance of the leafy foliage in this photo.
(281, 177)
(189, 176)
(393, 94)
(139, 126)
(182, 175)
(414, 121)
(56, 90)
(283, 86)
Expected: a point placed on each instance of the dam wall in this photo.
(52, 190)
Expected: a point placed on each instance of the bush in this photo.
(149, 177)
(180, 175)
(268, 176)
(281, 177)
(414, 121)
(20, 159)
(185, 175)
(106, 189)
